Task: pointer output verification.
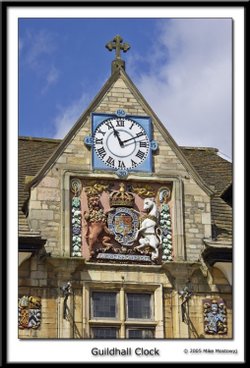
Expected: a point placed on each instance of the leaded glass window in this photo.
(104, 332)
(120, 313)
(139, 306)
(104, 304)
(140, 333)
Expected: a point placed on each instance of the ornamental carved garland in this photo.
(215, 317)
(76, 187)
(143, 190)
(166, 225)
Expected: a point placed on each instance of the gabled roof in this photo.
(221, 219)
(214, 170)
(34, 152)
(120, 73)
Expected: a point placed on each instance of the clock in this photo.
(121, 143)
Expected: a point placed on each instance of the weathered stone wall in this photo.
(197, 317)
(213, 286)
(44, 278)
(168, 313)
(197, 219)
(37, 279)
(83, 278)
(45, 209)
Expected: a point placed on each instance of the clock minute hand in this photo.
(130, 139)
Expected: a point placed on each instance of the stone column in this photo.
(158, 298)
(77, 312)
(65, 215)
(85, 312)
(178, 221)
(122, 313)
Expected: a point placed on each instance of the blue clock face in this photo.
(121, 143)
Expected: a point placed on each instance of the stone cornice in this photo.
(217, 251)
(218, 243)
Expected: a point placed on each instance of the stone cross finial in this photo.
(118, 46)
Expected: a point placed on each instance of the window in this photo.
(140, 333)
(139, 306)
(122, 314)
(103, 305)
(104, 332)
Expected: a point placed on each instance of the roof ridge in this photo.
(39, 139)
(213, 149)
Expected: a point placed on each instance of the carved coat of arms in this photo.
(114, 230)
(123, 220)
(123, 223)
(29, 312)
(215, 318)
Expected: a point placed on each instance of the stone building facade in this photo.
(83, 273)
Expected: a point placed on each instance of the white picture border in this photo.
(80, 350)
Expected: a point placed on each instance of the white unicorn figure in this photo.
(148, 231)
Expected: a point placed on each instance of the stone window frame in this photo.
(121, 322)
(151, 303)
(179, 247)
(92, 305)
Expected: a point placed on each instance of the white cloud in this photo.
(191, 89)
(38, 45)
(39, 49)
(51, 78)
(68, 116)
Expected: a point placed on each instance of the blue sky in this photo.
(182, 67)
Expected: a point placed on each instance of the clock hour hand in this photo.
(117, 135)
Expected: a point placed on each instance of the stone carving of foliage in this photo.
(166, 225)
(143, 190)
(76, 217)
(166, 233)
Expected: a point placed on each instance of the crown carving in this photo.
(122, 198)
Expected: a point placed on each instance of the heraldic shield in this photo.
(29, 312)
(123, 223)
